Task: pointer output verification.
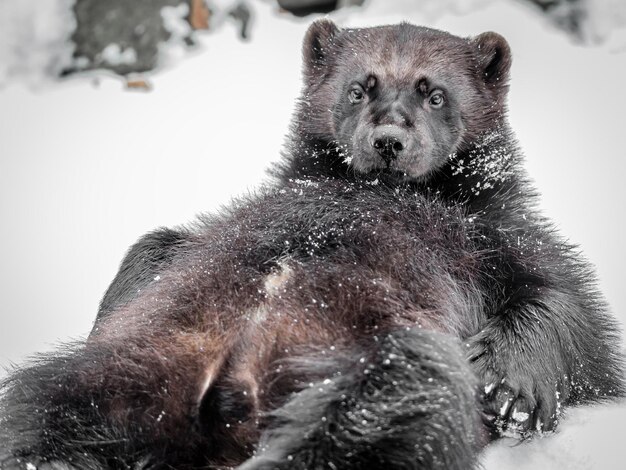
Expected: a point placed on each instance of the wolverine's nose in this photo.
(389, 142)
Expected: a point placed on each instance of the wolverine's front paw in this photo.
(521, 397)
(515, 412)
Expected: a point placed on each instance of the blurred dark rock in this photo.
(121, 35)
(307, 7)
(124, 36)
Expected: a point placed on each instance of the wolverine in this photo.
(393, 299)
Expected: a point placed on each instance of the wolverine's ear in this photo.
(316, 47)
(494, 58)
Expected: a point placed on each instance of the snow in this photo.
(174, 20)
(86, 168)
(589, 438)
(34, 37)
(520, 416)
(606, 18)
(494, 166)
(114, 55)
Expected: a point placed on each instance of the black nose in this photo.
(389, 142)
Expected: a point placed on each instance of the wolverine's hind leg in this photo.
(116, 404)
(144, 261)
(408, 402)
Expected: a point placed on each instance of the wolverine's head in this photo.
(401, 99)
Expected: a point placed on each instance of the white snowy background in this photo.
(86, 167)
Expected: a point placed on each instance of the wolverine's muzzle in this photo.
(389, 141)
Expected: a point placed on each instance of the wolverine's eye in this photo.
(356, 95)
(436, 99)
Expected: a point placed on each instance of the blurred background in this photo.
(121, 116)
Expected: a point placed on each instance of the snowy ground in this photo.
(85, 170)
